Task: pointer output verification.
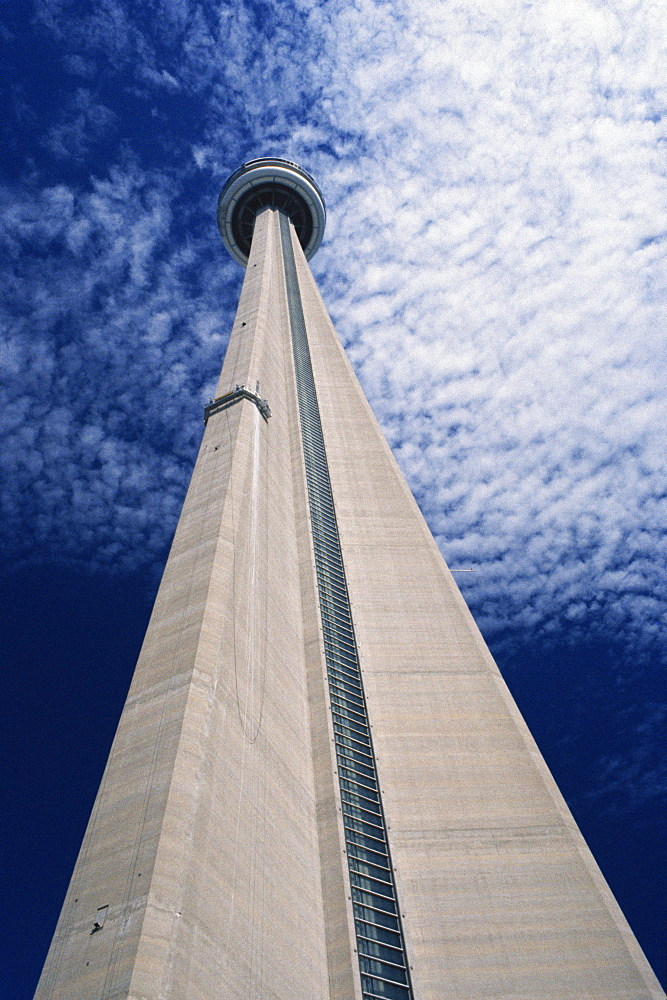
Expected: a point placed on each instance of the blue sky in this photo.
(494, 263)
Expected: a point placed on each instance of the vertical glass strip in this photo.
(382, 960)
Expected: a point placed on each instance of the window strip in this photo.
(374, 899)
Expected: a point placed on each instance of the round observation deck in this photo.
(275, 183)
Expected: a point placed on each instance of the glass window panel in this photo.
(378, 968)
(369, 818)
(354, 750)
(376, 989)
(348, 758)
(355, 711)
(347, 691)
(378, 917)
(362, 814)
(354, 774)
(366, 797)
(372, 899)
(378, 934)
(358, 802)
(377, 855)
(358, 729)
(375, 871)
(352, 824)
(373, 885)
(356, 739)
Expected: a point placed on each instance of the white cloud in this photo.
(107, 341)
(512, 217)
(494, 262)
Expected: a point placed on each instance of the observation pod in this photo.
(275, 183)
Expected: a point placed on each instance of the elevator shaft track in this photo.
(383, 963)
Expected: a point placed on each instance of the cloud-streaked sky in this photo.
(494, 262)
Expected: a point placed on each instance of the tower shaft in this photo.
(203, 840)
(289, 701)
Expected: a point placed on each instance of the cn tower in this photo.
(320, 787)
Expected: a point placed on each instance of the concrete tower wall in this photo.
(215, 858)
(203, 841)
(501, 895)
